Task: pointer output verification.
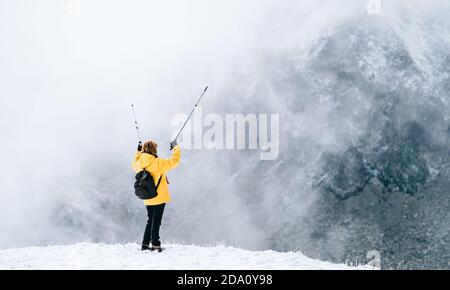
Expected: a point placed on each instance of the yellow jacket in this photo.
(157, 168)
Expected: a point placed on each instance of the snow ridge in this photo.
(176, 257)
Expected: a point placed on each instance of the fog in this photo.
(68, 82)
(341, 80)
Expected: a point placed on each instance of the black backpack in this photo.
(144, 187)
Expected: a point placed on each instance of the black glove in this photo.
(173, 144)
(139, 146)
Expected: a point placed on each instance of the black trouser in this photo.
(155, 214)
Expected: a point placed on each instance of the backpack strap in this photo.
(159, 181)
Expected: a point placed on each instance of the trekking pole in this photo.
(136, 123)
(190, 115)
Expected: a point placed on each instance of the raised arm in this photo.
(135, 165)
(168, 164)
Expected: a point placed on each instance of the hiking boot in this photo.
(156, 248)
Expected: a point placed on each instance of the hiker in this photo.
(146, 158)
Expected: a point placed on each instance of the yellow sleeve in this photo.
(140, 161)
(135, 163)
(168, 164)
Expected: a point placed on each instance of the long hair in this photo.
(150, 147)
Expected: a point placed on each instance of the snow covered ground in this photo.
(128, 256)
